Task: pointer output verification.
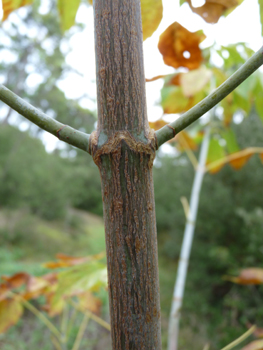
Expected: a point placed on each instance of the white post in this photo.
(186, 246)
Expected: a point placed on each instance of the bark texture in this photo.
(123, 147)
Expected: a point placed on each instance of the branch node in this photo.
(174, 132)
(58, 131)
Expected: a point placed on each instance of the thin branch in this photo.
(166, 133)
(240, 339)
(62, 132)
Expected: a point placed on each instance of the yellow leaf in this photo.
(180, 48)
(239, 162)
(253, 275)
(158, 124)
(152, 13)
(87, 301)
(10, 312)
(195, 80)
(12, 5)
(186, 141)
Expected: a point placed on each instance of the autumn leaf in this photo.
(87, 301)
(53, 307)
(16, 280)
(67, 260)
(152, 13)
(185, 141)
(80, 278)
(12, 5)
(254, 345)
(248, 276)
(195, 80)
(239, 162)
(180, 48)
(241, 159)
(158, 124)
(212, 10)
(10, 312)
(173, 99)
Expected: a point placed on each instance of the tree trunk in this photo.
(123, 147)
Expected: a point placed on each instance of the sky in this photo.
(242, 25)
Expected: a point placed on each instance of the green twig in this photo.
(39, 315)
(81, 331)
(240, 339)
(62, 132)
(169, 131)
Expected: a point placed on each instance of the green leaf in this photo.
(81, 278)
(231, 56)
(215, 152)
(173, 99)
(242, 102)
(260, 3)
(67, 10)
(231, 142)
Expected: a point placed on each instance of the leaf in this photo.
(215, 152)
(16, 280)
(67, 11)
(254, 345)
(231, 142)
(152, 14)
(67, 260)
(258, 99)
(180, 48)
(248, 276)
(158, 124)
(233, 148)
(87, 301)
(239, 162)
(186, 141)
(260, 3)
(195, 80)
(12, 5)
(81, 278)
(10, 312)
(174, 101)
(258, 333)
(212, 10)
(53, 306)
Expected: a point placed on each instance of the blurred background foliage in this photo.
(51, 202)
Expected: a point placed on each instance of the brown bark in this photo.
(123, 147)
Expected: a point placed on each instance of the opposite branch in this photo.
(62, 132)
(169, 131)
